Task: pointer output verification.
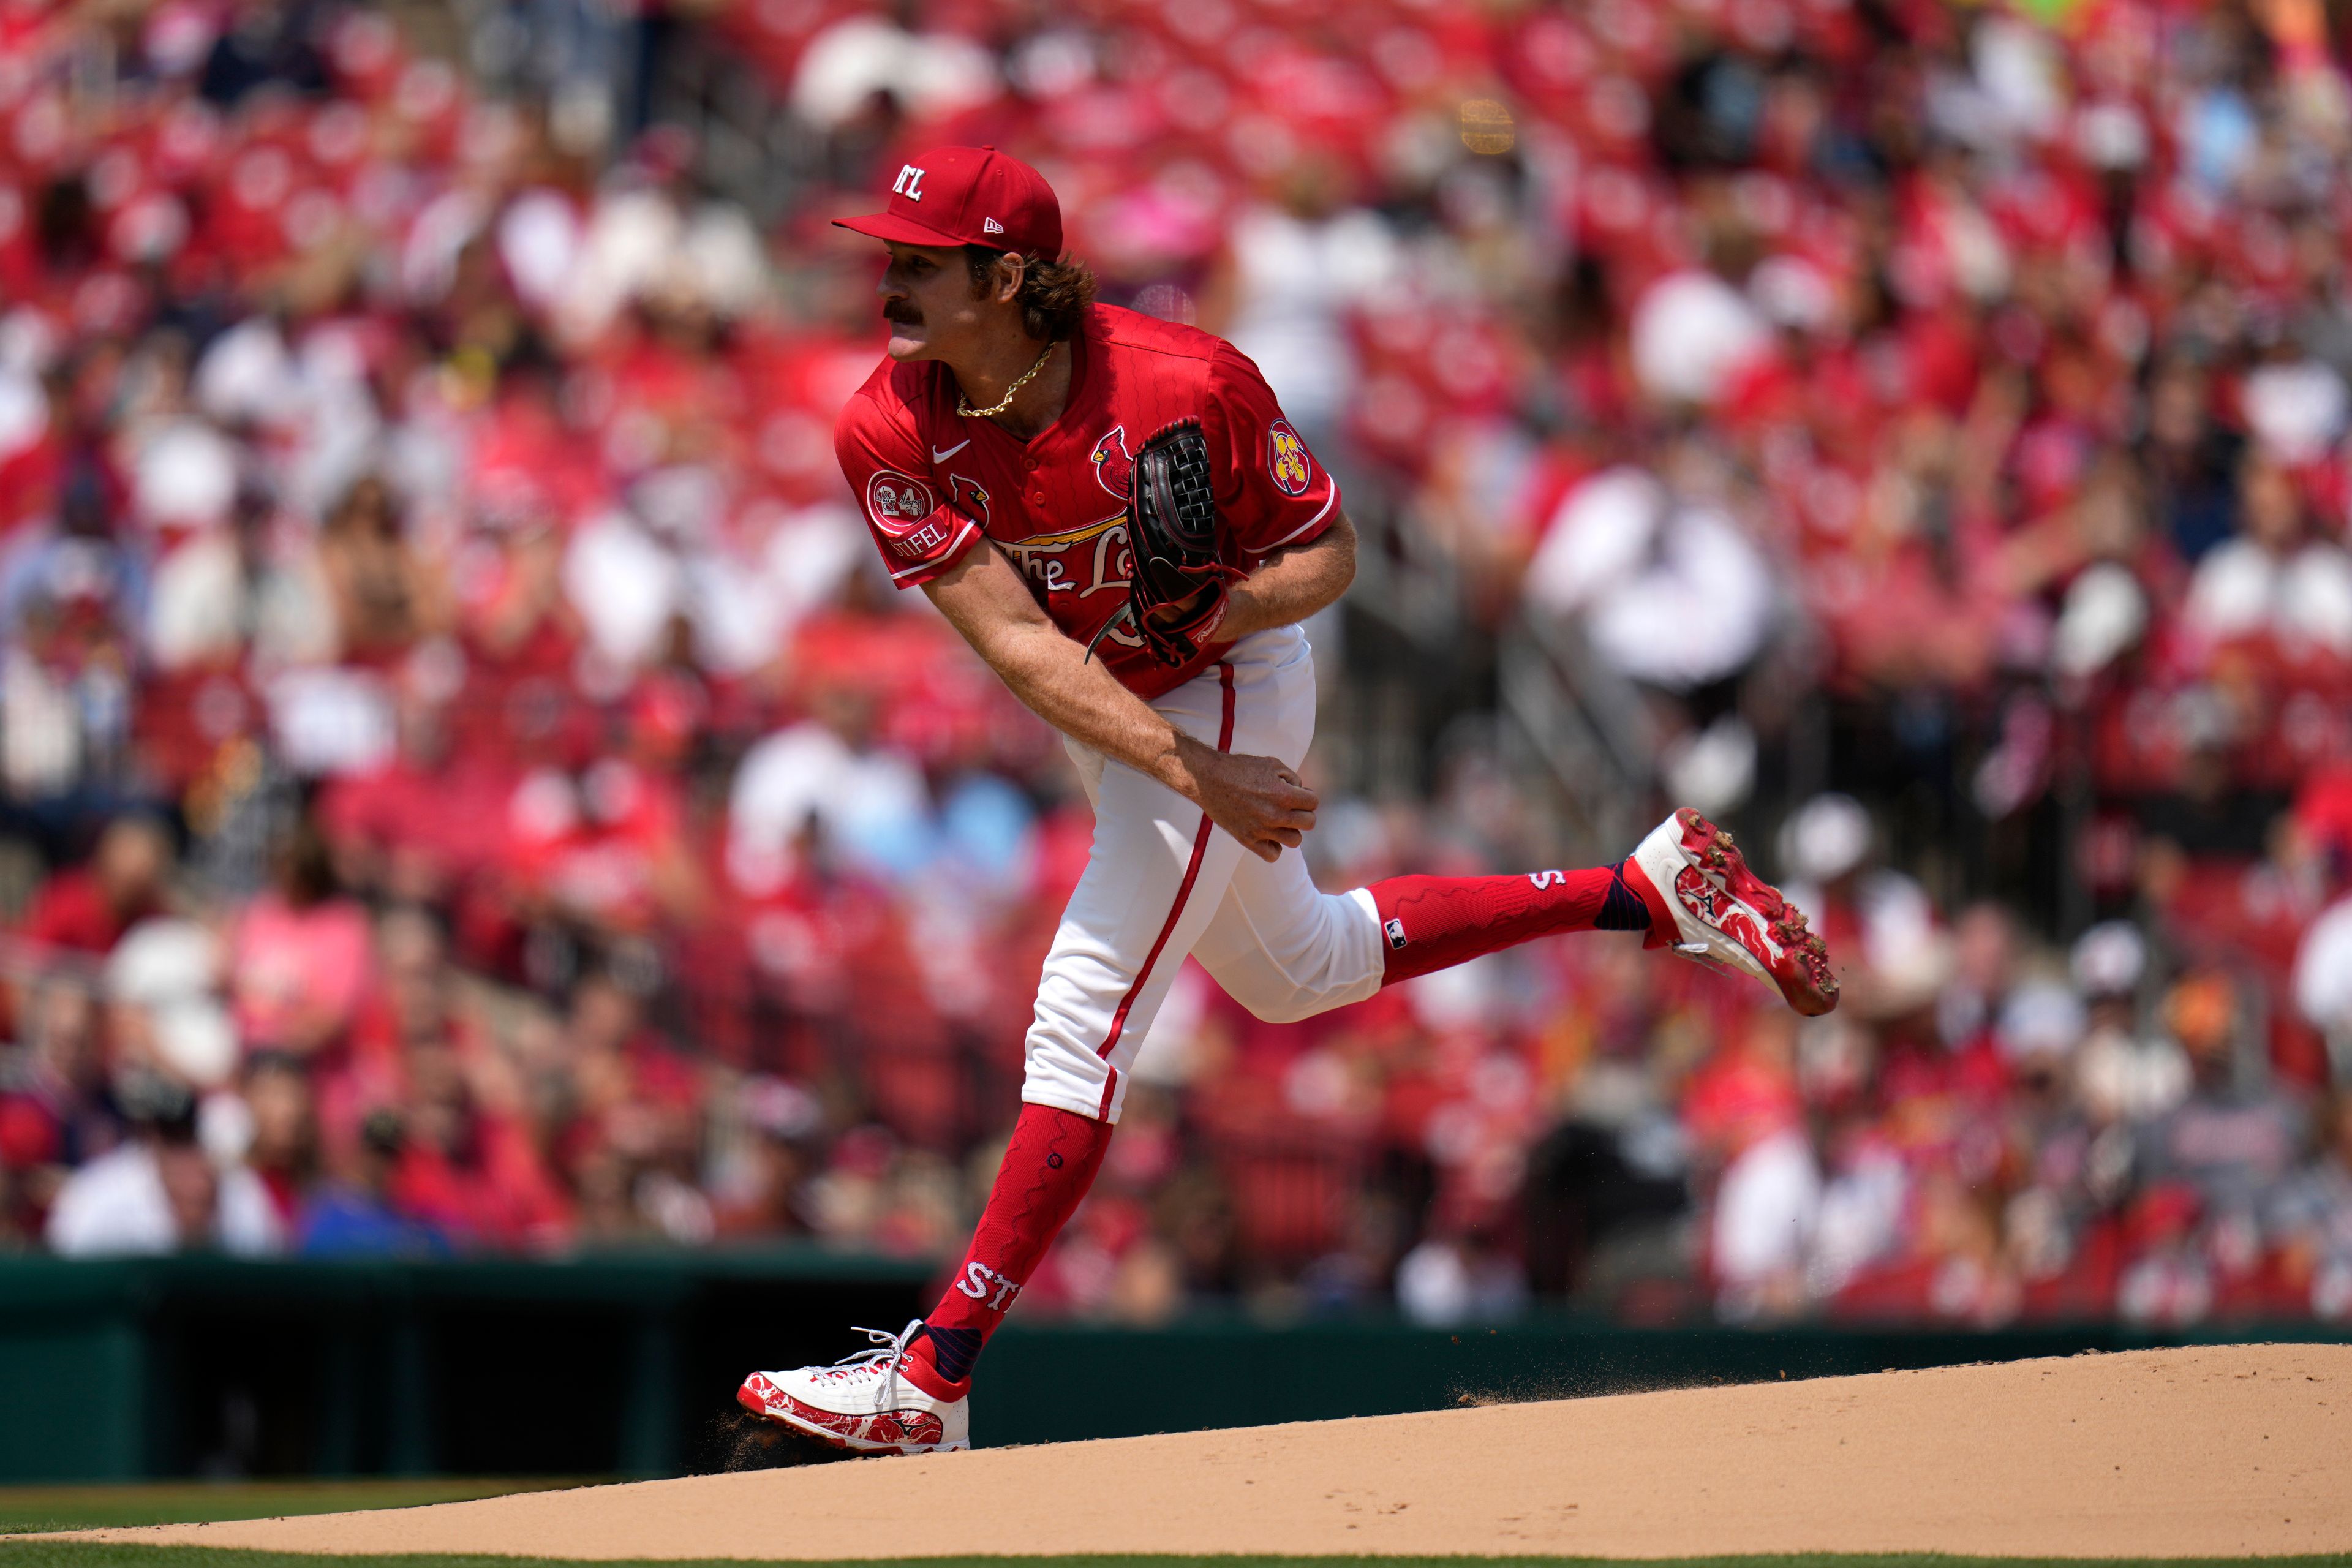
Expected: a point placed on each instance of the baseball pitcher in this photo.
(1115, 514)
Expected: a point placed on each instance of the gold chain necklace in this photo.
(963, 403)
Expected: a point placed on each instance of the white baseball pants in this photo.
(1162, 881)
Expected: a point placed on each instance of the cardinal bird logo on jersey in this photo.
(1286, 460)
(970, 496)
(1114, 465)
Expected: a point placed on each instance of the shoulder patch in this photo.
(899, 505)
(1286, 460)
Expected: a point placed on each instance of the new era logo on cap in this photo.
(968, 196)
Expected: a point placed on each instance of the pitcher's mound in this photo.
(2227, 1451)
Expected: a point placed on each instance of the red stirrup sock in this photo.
(1047, 1168)
(1436, 922)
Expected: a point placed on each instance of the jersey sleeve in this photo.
(1271, 491)
(919, 534)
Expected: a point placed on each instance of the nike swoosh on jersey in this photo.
(941, 456)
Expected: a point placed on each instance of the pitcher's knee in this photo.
(1334, 961)
(1283, 1007)
(1276, 997)
(1056, 1069)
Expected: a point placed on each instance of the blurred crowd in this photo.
(465, 783)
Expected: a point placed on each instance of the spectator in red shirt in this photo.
(86, 908)
(473, 1170)
(57, 1111)
(636, 1142)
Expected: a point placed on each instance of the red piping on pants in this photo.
(1183, 892)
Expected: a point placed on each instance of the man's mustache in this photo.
(900, 313)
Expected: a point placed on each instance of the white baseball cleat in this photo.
(1727, 916)
(864, 1403)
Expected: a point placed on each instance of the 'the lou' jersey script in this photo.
(932, 482)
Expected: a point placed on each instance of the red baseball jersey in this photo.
(934, 483)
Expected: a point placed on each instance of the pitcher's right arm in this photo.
(1258, 800)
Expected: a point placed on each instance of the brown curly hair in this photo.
(1054, 294)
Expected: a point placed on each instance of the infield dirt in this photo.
(2221, 1451)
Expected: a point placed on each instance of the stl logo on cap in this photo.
(1286, 460)
(967, 195)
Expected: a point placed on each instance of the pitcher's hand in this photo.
(1258, 800)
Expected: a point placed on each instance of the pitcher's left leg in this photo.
(1436, 922)
(1685, 884)
(1287, 951)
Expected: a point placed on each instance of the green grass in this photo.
(84, 1554)
(185, 1503)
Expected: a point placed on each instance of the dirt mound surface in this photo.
(2230, 1450)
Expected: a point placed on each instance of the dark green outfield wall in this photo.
(1042, 1386)
(615, 1365)
(621, 1365)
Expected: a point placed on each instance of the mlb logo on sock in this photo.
(1396, 932)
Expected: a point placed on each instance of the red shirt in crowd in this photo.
(72, 911)
(934, 483)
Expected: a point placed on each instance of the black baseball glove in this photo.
(1171, 529)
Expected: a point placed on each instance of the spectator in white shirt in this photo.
(161, 1193)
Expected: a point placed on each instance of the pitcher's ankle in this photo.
(921, 1368)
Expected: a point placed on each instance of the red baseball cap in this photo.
(968, 196)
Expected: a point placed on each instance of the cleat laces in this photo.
(889, 1350)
